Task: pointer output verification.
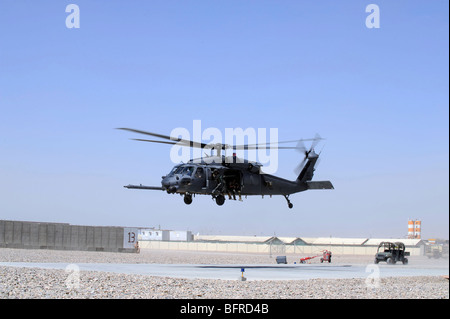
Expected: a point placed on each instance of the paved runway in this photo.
(252, 272)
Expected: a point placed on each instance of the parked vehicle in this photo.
(391, 253)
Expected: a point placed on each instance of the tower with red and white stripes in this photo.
(414, 229)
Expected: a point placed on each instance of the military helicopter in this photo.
(220, 176)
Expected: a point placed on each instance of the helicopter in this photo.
(223, 176)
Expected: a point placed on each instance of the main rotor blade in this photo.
(164, 142)
(189, 143)
(171, 138)
(153, 141)
(264, 147)
(149, 133)
(283, 142)
(269, 145)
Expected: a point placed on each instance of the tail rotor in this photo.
(302, 149)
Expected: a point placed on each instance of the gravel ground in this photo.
(50, 283)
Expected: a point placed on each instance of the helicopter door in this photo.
(211, 178)
(233, 180)
(199, 178)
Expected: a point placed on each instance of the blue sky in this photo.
(379, 96)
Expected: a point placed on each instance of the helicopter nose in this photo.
(165, 183)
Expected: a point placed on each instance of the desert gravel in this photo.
(33, 283)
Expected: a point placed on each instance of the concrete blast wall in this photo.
(36, 235)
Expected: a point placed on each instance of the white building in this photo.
(153, 234)
(164, 235)
(180, 235)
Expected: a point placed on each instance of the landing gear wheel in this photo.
(290, 205)
(187, 199)
(220, 200)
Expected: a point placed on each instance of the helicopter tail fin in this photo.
(307, 166)
(307, 172)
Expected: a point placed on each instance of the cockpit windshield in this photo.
(183, 170)
(173, 171)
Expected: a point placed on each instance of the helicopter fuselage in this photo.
(220, 175)
(204, 179)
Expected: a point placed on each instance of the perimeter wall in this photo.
(37, 235)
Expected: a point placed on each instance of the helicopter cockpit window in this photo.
(178, 169)
(188, 170)
(173, 170)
